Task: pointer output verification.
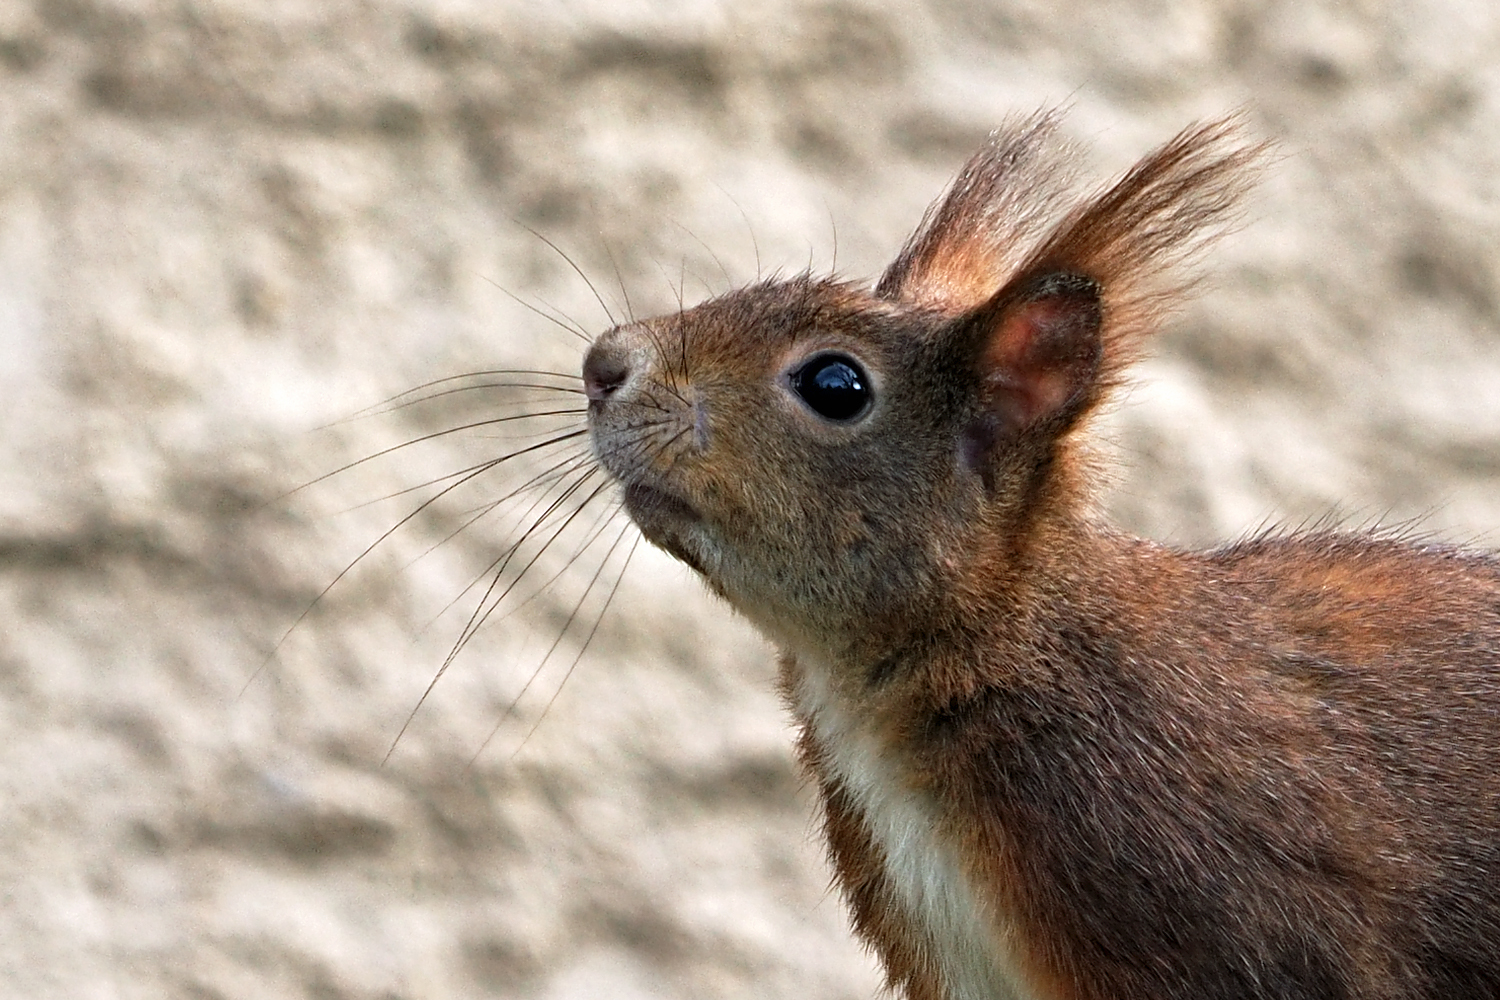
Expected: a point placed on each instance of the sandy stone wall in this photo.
(227, 225)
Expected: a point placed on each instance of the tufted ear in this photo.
(1039, 347)
(1035, 350)
(1054, 299)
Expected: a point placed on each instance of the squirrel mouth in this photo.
(662, 516)
(652, 508)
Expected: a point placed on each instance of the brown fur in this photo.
(1270, 770)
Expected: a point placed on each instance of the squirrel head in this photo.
(840, 461)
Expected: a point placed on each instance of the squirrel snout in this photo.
(605, 369)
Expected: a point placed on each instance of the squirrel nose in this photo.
(605, 369)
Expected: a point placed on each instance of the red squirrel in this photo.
(1055, 761)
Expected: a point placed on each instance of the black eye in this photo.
(834, 386)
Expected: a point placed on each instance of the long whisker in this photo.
(434, 482)
(571, 326)
(834, 225)
(578, 270)
(481, 613)
(698, 277)
(588, 639)
(553, 476)
(485, 373)
(432, 436)
(355, 562)
(489, 603)
(754, 243)
(478, 386)
(516, 701)
(619, 280)
(593, 531)
(728, 281)
(666, 359)
(478, 471)
(624, 447)
(375, 408)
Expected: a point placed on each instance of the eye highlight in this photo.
(833, 386)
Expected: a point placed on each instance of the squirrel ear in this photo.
(1039, 348)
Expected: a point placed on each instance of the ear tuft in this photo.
(1040, 348)
(1139, 237)
(999, 208)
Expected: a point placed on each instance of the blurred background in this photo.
(228, 225)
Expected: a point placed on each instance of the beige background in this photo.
(224, 223)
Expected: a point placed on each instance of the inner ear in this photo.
(1039, 349)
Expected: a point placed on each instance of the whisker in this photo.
(375, 408)
(481, 612)
(661, 350)
(486, 373)
(698, 277)
(360, 558)
(396, 407)
(578, 270)
(619, 280)
(672, 376)
(464, 478)
(430, 482)
(488, 604)
(432, 436)
(644, 434)
(834, 225)
(749, 228)
(515, 702)
(505, 418)
(588, 639)
(594, 531)
(554, 475)
(728, 281)
(578, 458)
(667, 277)
(682, 360)
(571, 326)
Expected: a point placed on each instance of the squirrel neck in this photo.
(1004, 596)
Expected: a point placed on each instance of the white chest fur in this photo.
(966, 939)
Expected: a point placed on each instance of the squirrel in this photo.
(1055, 761)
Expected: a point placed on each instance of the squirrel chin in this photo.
(663, 518)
